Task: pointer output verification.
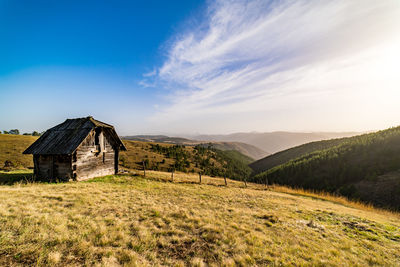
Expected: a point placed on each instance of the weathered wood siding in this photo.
(52, 167)
(90, 160)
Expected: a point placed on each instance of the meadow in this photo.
(132, 220)
(11, 148)
(129, 220)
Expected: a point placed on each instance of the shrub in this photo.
(14, 131)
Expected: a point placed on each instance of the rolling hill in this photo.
(155, 156)
(131, 220)
(274, 141)
(364, 167)
(246, 149)
(11, 148)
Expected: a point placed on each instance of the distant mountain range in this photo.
(273, 142)
(254, 145)
(246, 149)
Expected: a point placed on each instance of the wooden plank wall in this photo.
(88, 163)
(53, 167)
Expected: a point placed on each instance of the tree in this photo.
(35, 133)
(5, 132)
(14, 131)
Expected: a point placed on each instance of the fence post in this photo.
(199, 177)
(226, 184)
(144, 169)
(172, 175)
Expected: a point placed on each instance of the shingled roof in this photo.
(67, 136)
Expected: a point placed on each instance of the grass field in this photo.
(133, 221)
(11, 148)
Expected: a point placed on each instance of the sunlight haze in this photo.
(209, 67)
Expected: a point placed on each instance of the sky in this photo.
(187, 67)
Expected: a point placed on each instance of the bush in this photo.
(14, 131)
(8, 165)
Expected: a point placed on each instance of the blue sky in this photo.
(61, 59)
(201, 66)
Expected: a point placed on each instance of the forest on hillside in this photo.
(338, 168)
(279, 158)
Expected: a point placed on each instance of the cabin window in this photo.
(98, 140)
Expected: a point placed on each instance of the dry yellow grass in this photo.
(192, 178)
(219, 181)
(132, 221)
(138, 151)
(11, 148)
(333, 198)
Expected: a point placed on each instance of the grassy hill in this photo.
(195, 159)
(157, 156)
(363, 167)
(132, 221)
(246, 149)
(11, 148)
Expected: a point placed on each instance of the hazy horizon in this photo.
(201, 67)
(250, 132)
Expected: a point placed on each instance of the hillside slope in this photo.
(131, 221)
(195, 159)
(156, 156)
(275, 141)
(11, 148)
(246, 149)
(284, 156)
(351, 168)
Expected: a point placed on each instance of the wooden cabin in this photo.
(77, 149)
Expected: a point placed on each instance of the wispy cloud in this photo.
(250, 64)
(150, 73)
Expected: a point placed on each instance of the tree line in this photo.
(16, 132)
